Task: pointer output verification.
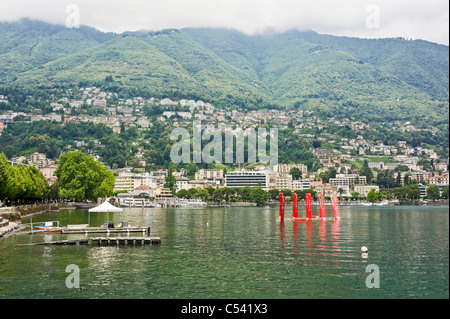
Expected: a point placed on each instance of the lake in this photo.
(239, 252)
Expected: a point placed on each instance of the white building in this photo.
(209, 174)
(182, 183)
(363, 190)
(247, 178)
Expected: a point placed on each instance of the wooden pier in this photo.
(104, 241)
(102, 230)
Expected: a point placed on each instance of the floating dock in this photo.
(103, 230)
(104, 241)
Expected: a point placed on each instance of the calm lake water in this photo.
(240, 253)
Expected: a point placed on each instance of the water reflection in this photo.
(241, 253)
(315, 241)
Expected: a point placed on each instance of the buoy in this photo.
(364, 249)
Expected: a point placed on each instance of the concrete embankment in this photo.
(7, 227)
(10, 217)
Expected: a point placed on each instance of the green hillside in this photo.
(383, 79)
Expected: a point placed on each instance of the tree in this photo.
(245, 193)
(258, 195)
(3, 175)
(80, 177)
(296, 173)
(273, 194)
(445, 193)
(367, 172)
(182, 193)
(170, 181)
(340, 191)
(413, 192)
(24, 183)
(372, 196)
(433, 192)
(218, 194)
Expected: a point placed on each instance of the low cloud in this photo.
(428, 20)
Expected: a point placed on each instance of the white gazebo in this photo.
(106, 207)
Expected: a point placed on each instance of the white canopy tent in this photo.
(106, 207)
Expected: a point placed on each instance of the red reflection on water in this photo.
(282, 241)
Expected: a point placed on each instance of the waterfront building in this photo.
(347, 180)
(363, 190)
(301, 184)
(286, 168)
(209, 174)
(439, 180)
(247, 178)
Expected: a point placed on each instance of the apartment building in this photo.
(129, 181)
(439, 180)
(283, 182)
(209, 174)
(347, 180)
(286, 168)
(247, 178)
(301, 184)
(421, 176)
(363, 190)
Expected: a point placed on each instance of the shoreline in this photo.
(17, 213)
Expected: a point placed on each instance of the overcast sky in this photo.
(416, 19)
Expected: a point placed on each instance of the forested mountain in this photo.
(382, 79)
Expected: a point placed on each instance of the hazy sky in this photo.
(416, 19)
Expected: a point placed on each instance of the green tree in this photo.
(433, 192)
(218, 195)
(3, 175)
(372, 196)
(258, 196)
(340, 191)
(80, 177)
(296, 173)
(182, 193)
(367, 172)
(445, 193)
(273, 194)
(170, 181)
(245, 193)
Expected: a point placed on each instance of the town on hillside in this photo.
(351, 164)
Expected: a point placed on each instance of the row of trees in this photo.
(241, 194)
(80, 178)
(21, 184)
(409, 193)
(259, 196)
(228, 194)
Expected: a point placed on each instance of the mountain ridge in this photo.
(371, 78)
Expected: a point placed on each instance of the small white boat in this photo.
(192, 204)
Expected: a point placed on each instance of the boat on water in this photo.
(48, 227)
(137, 202)
(383, 203)
(191, 204)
